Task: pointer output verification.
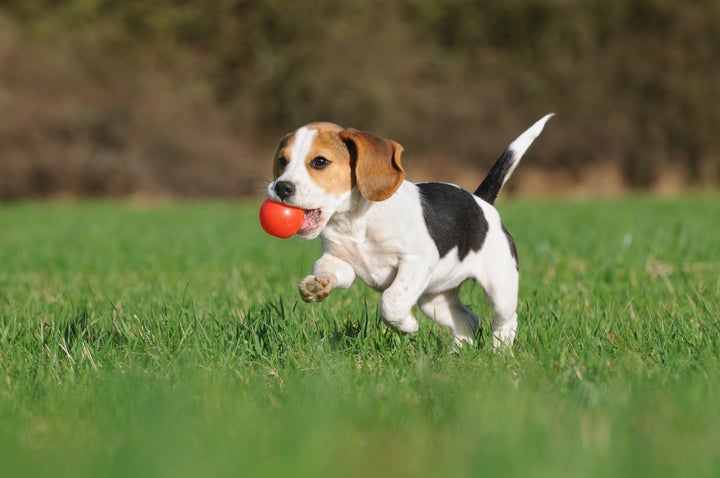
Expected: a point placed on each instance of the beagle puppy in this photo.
(414, 243)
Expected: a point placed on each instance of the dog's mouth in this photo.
(312, 224)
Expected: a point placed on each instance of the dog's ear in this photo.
(375, 163)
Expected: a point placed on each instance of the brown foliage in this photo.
(188, 98)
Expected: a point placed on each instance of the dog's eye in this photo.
(319, 163)
(282, 162)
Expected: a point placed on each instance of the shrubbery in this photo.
(99, 97)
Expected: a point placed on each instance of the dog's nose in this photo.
(284, 189)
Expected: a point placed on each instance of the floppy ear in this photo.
(376, 164)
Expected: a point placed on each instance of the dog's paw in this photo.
(316, 288)
(406, 326)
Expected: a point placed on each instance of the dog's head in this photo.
(319, 166)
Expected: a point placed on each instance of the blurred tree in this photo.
(177, 96)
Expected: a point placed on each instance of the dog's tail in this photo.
(505, 165)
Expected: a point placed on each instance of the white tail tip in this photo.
(523, 142)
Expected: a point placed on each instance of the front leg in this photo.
(398, 299)
(328, 272)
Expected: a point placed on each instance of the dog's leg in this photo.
(504, 327)
(502, 292)
(446, 309)
(328, 272)
(398, 299)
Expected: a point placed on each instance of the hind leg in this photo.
(502, 293)
(446, 309)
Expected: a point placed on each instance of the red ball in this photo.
(280, 220)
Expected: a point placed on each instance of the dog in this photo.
(414, 243)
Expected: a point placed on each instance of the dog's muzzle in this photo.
(284, 189)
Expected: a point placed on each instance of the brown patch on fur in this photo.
(337, 177)
(322, 126)
(378, 170)
(356, 158)
(284, 144)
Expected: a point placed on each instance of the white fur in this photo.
(306, 190)
(523, 142)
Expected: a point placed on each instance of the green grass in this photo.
(169, 340)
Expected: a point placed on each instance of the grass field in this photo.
(169, 340)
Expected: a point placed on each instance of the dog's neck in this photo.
(347, 219)
(361, 214)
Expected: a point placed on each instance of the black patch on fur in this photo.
(493, 182)
(453, 218)
(513, 249)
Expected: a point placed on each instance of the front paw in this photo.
(316, 288)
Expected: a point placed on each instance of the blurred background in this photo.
(180, 98)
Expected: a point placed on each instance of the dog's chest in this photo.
(373, 259)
